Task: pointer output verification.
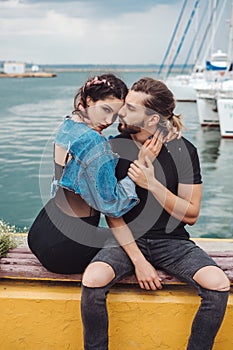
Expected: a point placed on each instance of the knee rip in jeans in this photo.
(98, 274)
(213, 278)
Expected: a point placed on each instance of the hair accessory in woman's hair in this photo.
(96, 81)
(170, 117)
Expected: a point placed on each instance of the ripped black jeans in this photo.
(180, 258)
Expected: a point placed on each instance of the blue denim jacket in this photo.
(91, 170)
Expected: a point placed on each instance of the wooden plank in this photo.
(34, 272)
(224, 263)
(25, 250)
(20, 255)
(21, 263)
(228, 254)
(39, 272)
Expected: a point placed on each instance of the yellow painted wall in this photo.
(46, 316)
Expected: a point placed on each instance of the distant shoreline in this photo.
(105, 69)
(113, 69)
(87, 68)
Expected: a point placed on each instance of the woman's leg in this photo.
(56, 240)
(67, 257)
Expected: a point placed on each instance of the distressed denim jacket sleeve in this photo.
(91, 172)
(99, 186)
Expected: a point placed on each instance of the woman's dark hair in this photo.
(160, 99)
(99, 88)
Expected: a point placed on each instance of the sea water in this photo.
(31, 110)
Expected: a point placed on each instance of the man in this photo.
(170, 197)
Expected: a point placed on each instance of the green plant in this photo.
(7, 240)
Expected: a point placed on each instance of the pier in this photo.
(28, 75)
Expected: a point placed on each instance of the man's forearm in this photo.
(183, 209)
(146, 274)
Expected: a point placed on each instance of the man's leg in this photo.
(188, 262)
(213, 288)
(108, 266)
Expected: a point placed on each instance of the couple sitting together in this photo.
(147, 183)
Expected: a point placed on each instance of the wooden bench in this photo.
(20, 263)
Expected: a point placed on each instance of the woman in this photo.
(64, 236)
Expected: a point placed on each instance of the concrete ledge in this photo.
(46, 316)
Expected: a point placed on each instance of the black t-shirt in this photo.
(176, 163)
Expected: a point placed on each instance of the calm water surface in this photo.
(31, 110)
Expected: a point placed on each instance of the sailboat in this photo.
(185, 87)
(225, 109)
(188, 88)
(207, 103)
(215, 74)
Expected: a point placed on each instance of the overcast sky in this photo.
(90, 31)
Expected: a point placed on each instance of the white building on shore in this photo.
(14, 67)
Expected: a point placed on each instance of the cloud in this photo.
(100, 8)
(66, 32)
(118, 7)
(90, 31)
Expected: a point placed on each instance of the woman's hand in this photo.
(142, 175)
(172, 134)
(147, 276)
(151, 147)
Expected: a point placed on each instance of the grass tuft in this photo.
(7, 240)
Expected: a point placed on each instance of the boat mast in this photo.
(213, 5)
(194, 43)
(183, 37)
(172, 38)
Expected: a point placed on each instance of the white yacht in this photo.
(184, 87)
(207, 104)
(217, 62)
(225, 108)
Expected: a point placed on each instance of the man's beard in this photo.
(127, 129)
